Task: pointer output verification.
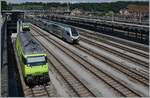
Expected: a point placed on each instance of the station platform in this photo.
(11, 86)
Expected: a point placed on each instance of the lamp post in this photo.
(112, 15)
(68, 7)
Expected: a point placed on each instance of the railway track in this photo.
(74, 83)
(125, 55)
(116, 42)
(126, 48)
(143, 78)
(66, 77)
(37, 91)
(116, 84)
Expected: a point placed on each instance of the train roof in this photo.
(29, 45)
(56, 23)
(61, 24)
(65, 26)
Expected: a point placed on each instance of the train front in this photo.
(36, 71)
(74, 36)
(26, 26)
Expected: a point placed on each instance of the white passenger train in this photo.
(60, 30)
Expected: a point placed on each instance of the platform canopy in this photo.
(12, 11)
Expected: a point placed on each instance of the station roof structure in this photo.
(12, 11)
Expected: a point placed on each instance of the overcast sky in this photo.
(73, 1)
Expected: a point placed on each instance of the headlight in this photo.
(72, 39)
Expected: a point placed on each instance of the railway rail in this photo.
(76, 84)
(119, 85)
(67, 78)
(38, 91)
(126, 48)
(135, 51)
(143, 78)
(119, 53)
(126, 45)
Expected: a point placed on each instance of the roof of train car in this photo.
(61, 24)
(29, 45)
(67, 27)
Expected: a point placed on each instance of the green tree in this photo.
(3, 5)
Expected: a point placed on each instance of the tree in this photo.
(3, 5)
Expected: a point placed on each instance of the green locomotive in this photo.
(33, 59)
(26, 26)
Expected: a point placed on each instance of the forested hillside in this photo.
(103, 7)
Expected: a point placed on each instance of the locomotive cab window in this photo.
(74, 32)
(37, 60)
(68, 33)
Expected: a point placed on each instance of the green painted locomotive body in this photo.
(33, 59)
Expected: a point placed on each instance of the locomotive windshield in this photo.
(26, 26)
(36, 60)
(74, 32)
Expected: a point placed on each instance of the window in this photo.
(74, 32)
(66, 32)
(36, 60)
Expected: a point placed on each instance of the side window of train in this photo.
(58, 28)
(62, 31)
(54, 27)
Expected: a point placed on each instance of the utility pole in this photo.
(112, 15)
(68, 7)
(140, 16)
